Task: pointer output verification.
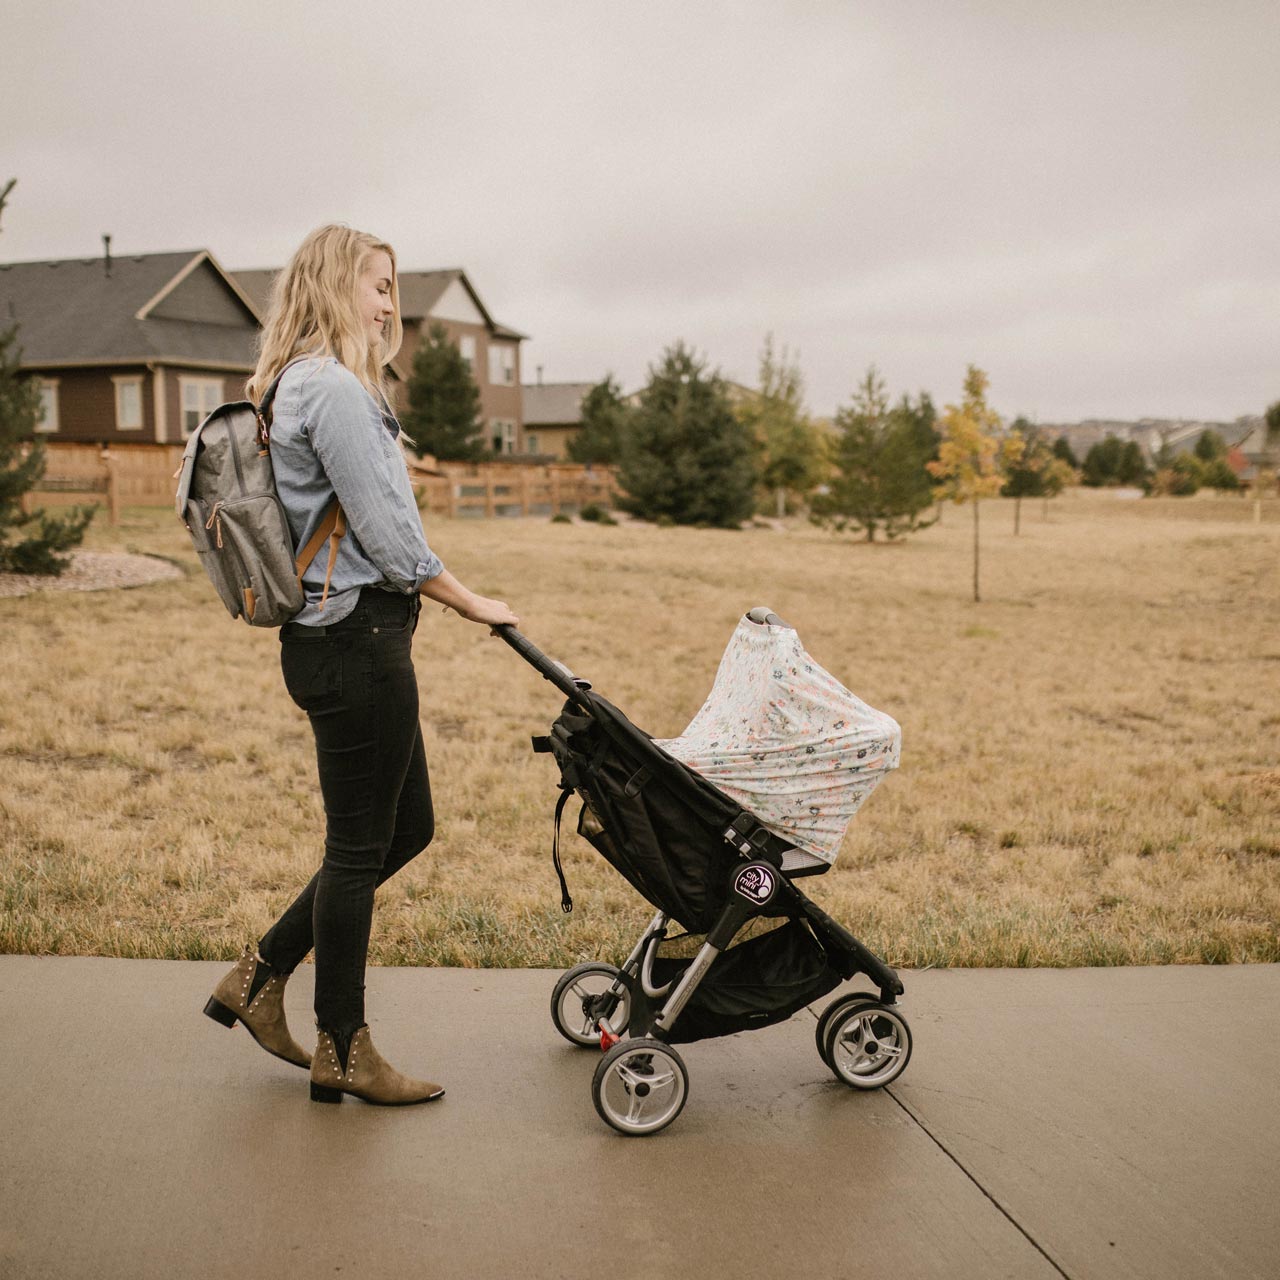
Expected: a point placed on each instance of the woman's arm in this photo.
(448, 591)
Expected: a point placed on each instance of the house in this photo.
(491, 349)
(130, 349)
(552, 415)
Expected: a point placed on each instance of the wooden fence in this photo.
(138, 475)
(511, 489)
(143, 475)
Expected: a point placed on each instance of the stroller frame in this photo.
(641, 1083)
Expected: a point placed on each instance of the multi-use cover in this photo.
(787, 740)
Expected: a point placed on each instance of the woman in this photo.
(332, 327)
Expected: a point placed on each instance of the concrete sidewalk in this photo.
(1080, 1123)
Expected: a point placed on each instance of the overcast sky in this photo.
(1080, 198)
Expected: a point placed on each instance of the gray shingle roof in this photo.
(419, 292)
(71, 311)
(553, 403)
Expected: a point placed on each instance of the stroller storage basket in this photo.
(754, 984)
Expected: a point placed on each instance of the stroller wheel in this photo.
(868, 1044)
(640, 1086)
(835, 1007)
(584, 996)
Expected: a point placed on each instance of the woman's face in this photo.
(373, 295)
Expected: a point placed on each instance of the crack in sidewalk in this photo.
(946, 1151)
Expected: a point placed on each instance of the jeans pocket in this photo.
(312, 672)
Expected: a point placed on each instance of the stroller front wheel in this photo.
(836, 1007)
(868, 1044)
(585, 995)
(640, 1087)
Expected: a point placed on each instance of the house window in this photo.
(200, 397)
(502, 435)
(128, 404)
(531, 443)
(48, 420)
(502, 364)
(467, 349)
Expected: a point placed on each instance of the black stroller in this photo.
(703, 860)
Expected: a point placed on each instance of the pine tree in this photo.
(22, 463)
(881, 480)
(686, 458)
(604, 417)
(442, 418)
(1062, 450)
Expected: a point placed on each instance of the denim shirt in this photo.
(328, 436)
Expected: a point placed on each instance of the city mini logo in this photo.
(754, 883)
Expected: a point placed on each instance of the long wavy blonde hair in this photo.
(313, 311)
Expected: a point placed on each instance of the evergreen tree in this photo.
(604, 423)
(1062, 450)
(1133, 466)
(443, 415)
(1114, 462)
(1209, 446)
(881, 459)
(1102, 463)
(22, 463)
(686, 457)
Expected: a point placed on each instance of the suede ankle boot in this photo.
(367, 1075)
(261, 1012)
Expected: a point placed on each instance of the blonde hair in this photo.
(313, 311)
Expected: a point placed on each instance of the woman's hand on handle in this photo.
(448, 591)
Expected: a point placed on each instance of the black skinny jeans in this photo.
(355, 681)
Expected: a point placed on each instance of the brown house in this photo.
(491, 349)
(130, 349)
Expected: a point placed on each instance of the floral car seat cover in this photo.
(787, 740)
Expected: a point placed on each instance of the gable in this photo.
(456, 304)
(202, 295)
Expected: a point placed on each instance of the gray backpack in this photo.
(228, 502)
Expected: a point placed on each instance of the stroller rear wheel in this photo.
(640, 1086)
(868, 1044)
(583, 996)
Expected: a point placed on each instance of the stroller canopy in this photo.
(787, 740)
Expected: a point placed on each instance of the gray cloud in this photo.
(1078, 198)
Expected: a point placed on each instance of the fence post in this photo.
(113, 488)
(490, 499)
(554, 476)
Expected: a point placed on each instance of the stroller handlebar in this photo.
(559, 675)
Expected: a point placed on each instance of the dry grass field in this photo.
(1090, 770)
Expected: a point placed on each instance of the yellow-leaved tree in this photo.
(974, 454)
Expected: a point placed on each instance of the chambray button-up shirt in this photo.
(329, 436)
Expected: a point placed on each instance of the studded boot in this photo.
(261, 1012)
(367, 1075)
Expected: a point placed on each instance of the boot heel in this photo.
(322, 1093)
(219, 1012)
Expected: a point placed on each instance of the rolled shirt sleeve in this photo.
(364, 464)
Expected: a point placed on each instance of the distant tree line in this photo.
(692, 448)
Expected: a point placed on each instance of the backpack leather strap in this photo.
(332, 527)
